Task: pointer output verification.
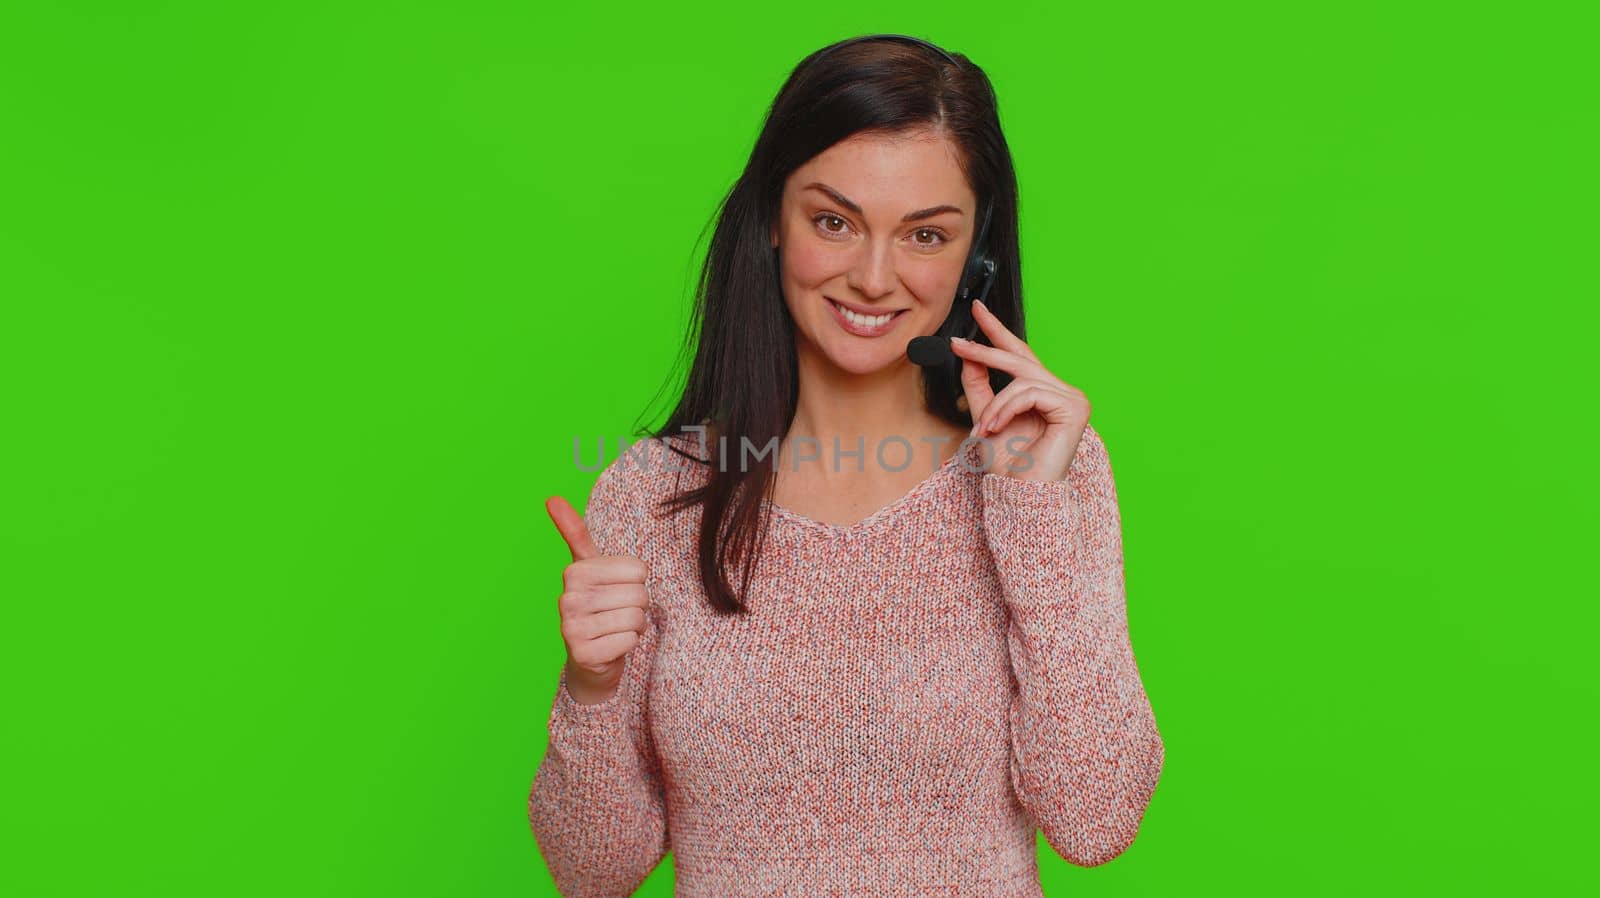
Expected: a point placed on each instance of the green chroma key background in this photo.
(302, 305)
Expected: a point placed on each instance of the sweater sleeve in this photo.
(1086, 753)
(596, 806)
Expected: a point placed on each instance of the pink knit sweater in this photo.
(909, 699)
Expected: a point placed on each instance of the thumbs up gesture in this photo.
(602, 605)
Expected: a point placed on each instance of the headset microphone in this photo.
(930, 352)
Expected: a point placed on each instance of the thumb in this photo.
(975, 383)
(572, 527)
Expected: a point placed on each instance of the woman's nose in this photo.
(873, 275)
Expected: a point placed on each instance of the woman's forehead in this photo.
(877, 169)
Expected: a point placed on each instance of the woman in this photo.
(875, 670)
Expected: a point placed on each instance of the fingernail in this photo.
(959, 340)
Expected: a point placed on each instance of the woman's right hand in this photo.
(603, 603)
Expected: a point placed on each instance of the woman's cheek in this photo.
(812, 266)
(935, 289)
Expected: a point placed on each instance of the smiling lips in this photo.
(864, 325)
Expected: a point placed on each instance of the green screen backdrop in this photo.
(302, 304)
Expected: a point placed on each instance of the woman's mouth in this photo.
(863, 325)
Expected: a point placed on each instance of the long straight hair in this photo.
(744, 378)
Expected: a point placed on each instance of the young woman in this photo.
(845, 625)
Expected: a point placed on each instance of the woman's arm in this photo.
(596, 807)
(1086, 753)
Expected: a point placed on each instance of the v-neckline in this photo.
(894, 505)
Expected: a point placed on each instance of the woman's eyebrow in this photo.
(842, 200)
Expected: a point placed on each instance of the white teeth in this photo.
(862, 320)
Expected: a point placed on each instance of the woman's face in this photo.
(876, 225)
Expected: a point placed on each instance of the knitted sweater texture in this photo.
(908, 700)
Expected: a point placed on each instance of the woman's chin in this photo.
(860, 357)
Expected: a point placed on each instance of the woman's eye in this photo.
(823, 221)
(939, 236)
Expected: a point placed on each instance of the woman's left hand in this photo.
(1035, 422)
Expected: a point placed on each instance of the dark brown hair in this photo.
(744, 379)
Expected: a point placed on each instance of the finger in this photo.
(573, 530)
(975, 384)
(1033, 397)
(616, 620)
(1001, 411)
(995, 357)
(999, 334)
(614, 645)
(606, 570)
(1048, 383)
(614, 596)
